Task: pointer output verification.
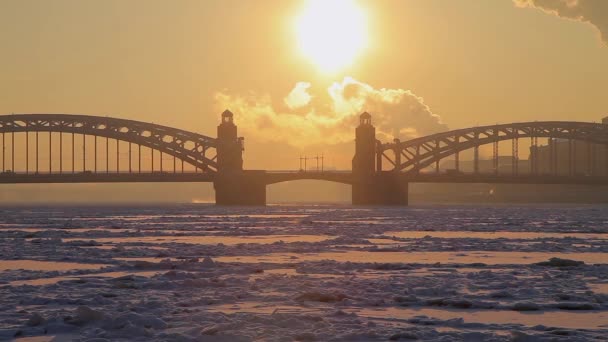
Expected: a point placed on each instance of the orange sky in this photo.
(471, 62)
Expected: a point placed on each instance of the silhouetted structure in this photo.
(571, 157)
(364, 161)
(229, 146)
(380, 174)
(371, 186)
(232, 185)
(505, 165)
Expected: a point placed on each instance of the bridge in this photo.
(95, 149)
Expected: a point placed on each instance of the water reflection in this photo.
(571, 320)
(489, 258)
(35, 265)
(492, 235)
(210, 240)
(55, 280)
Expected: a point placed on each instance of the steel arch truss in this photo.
(195, 149)
(416, 154)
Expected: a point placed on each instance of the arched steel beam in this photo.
(187, 146)
(422, 152)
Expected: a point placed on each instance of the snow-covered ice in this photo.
(304, 273)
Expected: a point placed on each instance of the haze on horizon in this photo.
(297, 73)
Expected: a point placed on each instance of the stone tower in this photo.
(230, 146)
(364, 161)
(232, 184)
(372, 186)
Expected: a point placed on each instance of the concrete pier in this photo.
(233, 185)
(241, 188)
(381, 189)
(371, 185)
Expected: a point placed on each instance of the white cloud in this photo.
(299, 96)
(304, 122)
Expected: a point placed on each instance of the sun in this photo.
(331, 33)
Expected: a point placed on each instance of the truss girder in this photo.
(419, 153)
(190, 147)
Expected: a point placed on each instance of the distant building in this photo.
(588, 159)
(505, 165)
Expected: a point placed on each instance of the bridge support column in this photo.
(240, 188)
(383, 188)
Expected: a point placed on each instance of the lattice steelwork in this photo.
(417, 154)
(191, 148)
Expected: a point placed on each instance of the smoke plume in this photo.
(594, 12)
(305, 118)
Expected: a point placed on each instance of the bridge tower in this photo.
(233, 185)
(230, 146)
(373, 186)
(364, 162)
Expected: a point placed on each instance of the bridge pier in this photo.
(383, 188)
(371, 185)
(233, 185)
(240, 188)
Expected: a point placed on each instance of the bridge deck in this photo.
(84, 177)
(273, 177)
(507, 179)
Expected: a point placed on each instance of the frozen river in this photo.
(304, 273)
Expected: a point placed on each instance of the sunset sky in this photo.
(296, 73)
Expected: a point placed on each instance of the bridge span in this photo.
(274, 177)
(93, 149)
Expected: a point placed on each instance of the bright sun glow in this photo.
(331, 33)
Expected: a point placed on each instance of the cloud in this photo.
(594, 12)
(330, 117)
(299, 96)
